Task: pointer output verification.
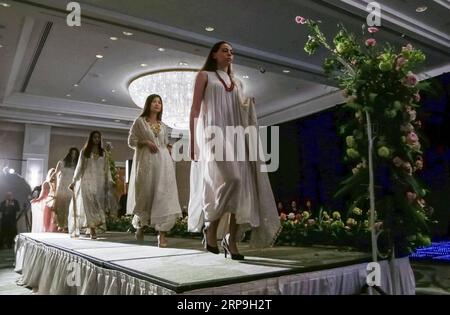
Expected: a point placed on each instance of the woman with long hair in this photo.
(233, 190)
(152, 194)
(43, 216)
(91, 182)
(64, 172)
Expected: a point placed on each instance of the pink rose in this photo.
(408, 47)
(371, 42)
(397, 161)
(412, 138)
(300, 20)
(408, 168)
(419, 165)
(372, 29)
(417, 97)
(400, 62)
(410, 79)
(411, 196)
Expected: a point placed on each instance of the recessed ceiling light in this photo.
(59, 114)
(144, 65)
(103, 100)
(113, 38)
(421, 9)
(127, 33)
(245, 76)
(161, 49)
(68, 95)
(4, 4)
(75, 85)
(209, 29)
(183, 63)
(286, 71)
(117, 120)
(99, 56)
(114, 91)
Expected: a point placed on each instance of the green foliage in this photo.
(378, 80)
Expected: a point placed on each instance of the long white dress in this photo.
(63, 193)
(152, 192)
(239, 187)
(89, 204)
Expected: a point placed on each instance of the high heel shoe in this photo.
(160, 244)
(226, 249)
(211, 249)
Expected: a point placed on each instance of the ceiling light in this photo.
(99, 56)
(117, 120)
(421, 9)
(4, 4)
(182, 63)
(286, 71)
(245, 76)
(59, 114)
(127, 33)
(103, 100)
(144, 65)
(75, 85)
(68, 95)
(161, 49)
(11, 171)
(113, 38)
(209, 29)
(114, 91)
(177, 106)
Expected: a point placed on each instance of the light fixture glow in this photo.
(176, 89)
(68, 95)
(144, 65)
(103, 100)
(286, 71)
(5, 5)
(75, 85)
(99, 56)
(127, 33)
(245, 76)
(117, 120)
(113, 38)
(209, 29)
(114, 91)
(161, 49)
(421, 9)
(11, 171)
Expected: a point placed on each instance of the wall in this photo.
(11, 145)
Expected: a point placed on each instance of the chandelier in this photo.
(176, 88)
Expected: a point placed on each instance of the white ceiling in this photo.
(42, 57)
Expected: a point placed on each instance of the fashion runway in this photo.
(53, 263)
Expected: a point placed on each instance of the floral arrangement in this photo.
(328, 228)
(379, 83)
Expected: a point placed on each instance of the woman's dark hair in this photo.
(87, 149)
(211, 63)
(148, 104)
(68, 162)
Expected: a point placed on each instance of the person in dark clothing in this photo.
(8, 210)
(122, 206)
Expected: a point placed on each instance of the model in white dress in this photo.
(234, 188)
(65, 170)
(91, 182)
(152, 194)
